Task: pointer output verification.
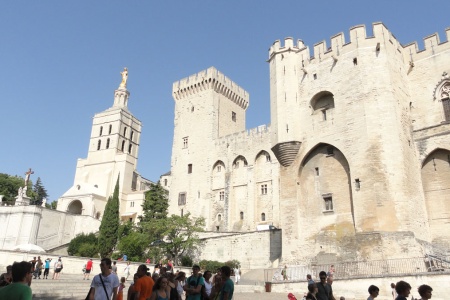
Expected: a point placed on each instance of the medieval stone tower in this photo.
(113, 151)
(355, 162)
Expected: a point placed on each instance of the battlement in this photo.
(246, 136)
(210, 79)
(359, 38)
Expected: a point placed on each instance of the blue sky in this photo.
(61, 62)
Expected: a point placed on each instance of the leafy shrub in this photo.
(210, 265)
(88, 250)
(75, 243)
(233, 263)
(186, 261)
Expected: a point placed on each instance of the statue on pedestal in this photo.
(44, 201)
(124, 74)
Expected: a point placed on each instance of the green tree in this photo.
(39, 192)
(9, 186)
(134, 245)
(180, 235)
(155, 204)
(109, 227)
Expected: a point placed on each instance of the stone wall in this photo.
(20, 225)
(254, 250)
(58, 228)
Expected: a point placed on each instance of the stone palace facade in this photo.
(355, 162)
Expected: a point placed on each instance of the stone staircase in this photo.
(67, 287)
(71, 286)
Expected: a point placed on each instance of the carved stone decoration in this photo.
(445, 91)
(286, 152)
(442, 88)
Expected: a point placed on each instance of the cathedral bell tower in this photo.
(113, 151)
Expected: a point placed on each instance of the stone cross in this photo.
(27, 176)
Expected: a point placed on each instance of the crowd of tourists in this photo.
(323, 290)
(163, 284)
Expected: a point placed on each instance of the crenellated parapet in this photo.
(258, 133)
(358, 38)
(210, 79)
(432, 46)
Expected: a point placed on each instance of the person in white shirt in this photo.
(104, 285)
(237, 274)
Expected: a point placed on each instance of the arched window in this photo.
(322, 103)
(219, 217)
(263, 156)
(107, 144)
(238, 161)
(129, 148)
(123, 146)
(131, 135)
(99, 144)
(110, 129)
(241, 215)
(219, 166)
(263, 217)
(101, 130)
(445, 98)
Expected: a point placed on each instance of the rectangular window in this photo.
(185, 142)
(189, 168)
(222, 196)
(181, 198)
(446, 106)
(219, 168)
(233, 116)
(324, 114)
(263, 189)
(132, 204)
(328, 201)
(330, 150)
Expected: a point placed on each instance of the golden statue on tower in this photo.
(124, 74)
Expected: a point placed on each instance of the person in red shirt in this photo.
(89, 267)
(144, 285)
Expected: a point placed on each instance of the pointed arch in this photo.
(237, 160)
(218, 166)
(435, 174)
(323, 176)
(265, 154)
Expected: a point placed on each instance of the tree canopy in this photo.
(9, 186)
(180, 235)
(109, 227)
(155, 204)
(39, 192)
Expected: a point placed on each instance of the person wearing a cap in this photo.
(194, 284)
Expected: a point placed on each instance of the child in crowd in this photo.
(120, 289)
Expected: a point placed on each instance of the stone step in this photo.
(243, 288)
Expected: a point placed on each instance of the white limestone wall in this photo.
(57, 228)
(19, 225)
(254, 250)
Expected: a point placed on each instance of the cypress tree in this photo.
(109, 228)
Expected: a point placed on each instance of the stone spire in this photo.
(121, 95)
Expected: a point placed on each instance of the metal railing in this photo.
(363, 269)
